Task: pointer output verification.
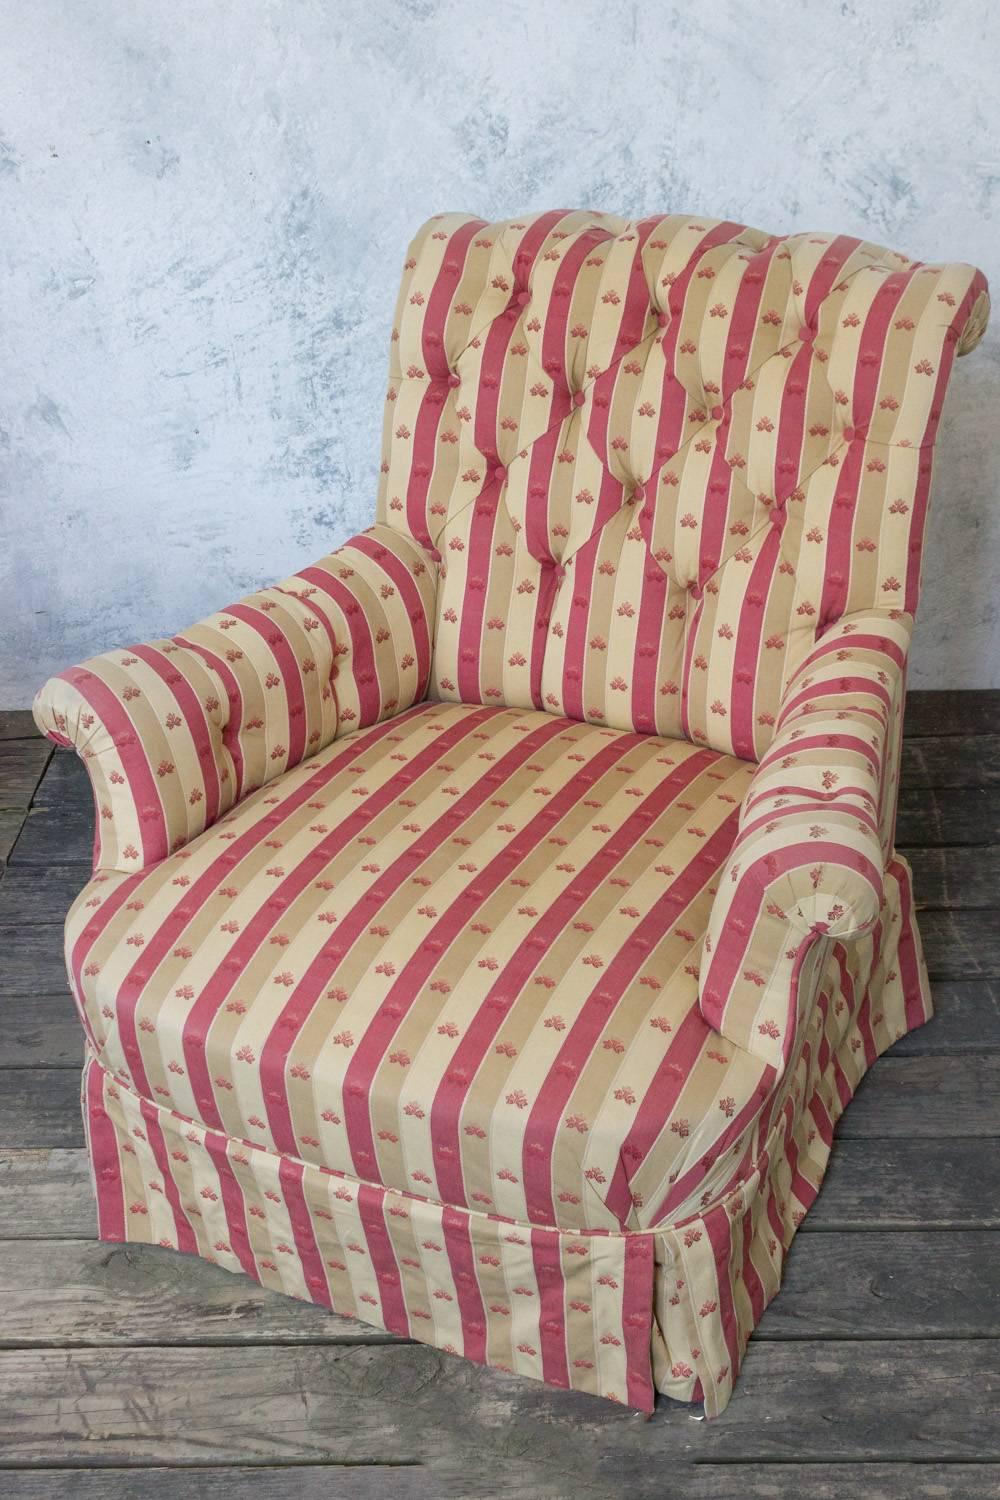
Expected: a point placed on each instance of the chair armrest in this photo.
(174, 732)
(815, 834)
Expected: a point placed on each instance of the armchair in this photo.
(490, 923)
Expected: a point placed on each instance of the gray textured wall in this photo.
(204, 206)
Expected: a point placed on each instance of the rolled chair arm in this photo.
(815, 834)
(174, 732)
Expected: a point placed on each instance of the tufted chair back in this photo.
(656, 460)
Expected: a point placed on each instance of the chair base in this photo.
(667, 1309)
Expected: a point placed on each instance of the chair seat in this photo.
(455, 954)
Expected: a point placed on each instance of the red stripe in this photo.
(547, 1260)
(649, 645)
(821, 1120)
(195, 722)
(840, 536)
(138, 773)
(233, 727)
(438, 304)
(637, 1320)
(409, 591)
(575, 649)
(743, 319)
(497, 341)
(674, 396)
(746, 658)
(839, 252)
(233, 1201)
(360, 627)
(801, 1187)
(481, 533)
(458, 1243)
(859, 674)
(788, 480)
(847, 738)
(435, 355)
(557, 357)
(872, 346)
(290, 1175)
(102, 1141)
(719, 1231)
(289, 671)
(856, 801)
(186, 1237)
(371, 1204)
(426, 429)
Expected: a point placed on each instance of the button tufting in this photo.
(522, 299)
(663, 319)
(579, 398)
(849, 434)
(806, 334)
(717, 413)
(560, 571)
(454, 380)
(499, 474)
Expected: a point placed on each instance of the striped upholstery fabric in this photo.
(490, 923)
(175, 732)
(815, 833)
(370, 952)
(658, 458)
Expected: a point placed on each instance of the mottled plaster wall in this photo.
(204, 206)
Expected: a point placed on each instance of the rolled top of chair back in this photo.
(657, 459)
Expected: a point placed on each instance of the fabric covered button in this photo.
(578, 398)
(454, 380)
(717, 413)
(663, 319)
(522, 299)
(849, 434)
(560, 571)
(499, 474)
(806, 334)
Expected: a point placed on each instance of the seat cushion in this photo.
(455, 954)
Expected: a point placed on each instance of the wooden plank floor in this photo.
(132, 1371)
